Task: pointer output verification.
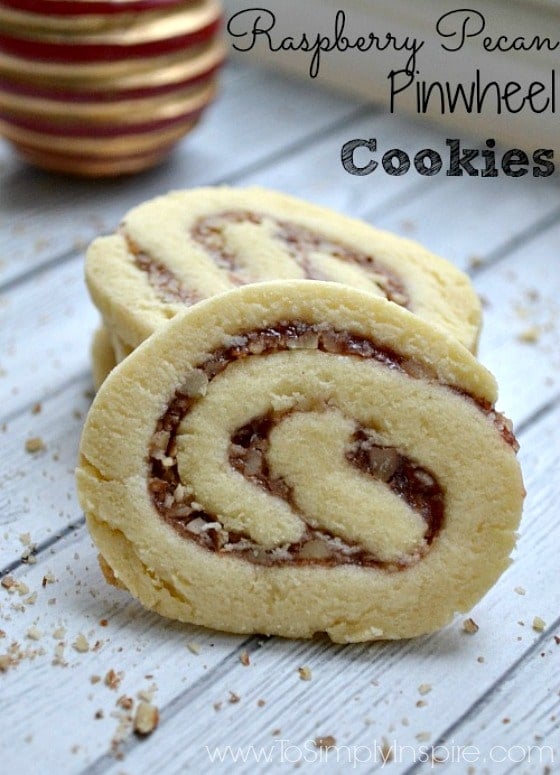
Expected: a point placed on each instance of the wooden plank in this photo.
(47, 325)
(43, 216)
(37, 490)
(523, 715)
(521, 296)
(78, 600)
(469, 220)
(516, 727)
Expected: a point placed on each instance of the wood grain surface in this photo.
(452, 702)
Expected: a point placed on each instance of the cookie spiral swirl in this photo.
(299, 456)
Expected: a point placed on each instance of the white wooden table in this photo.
(496, 691)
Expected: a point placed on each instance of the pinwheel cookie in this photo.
(298, 456)
(182, 248)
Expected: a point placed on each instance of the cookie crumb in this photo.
(325, 742)
(34, 633)
(35, 444)
(233, 698)
(425, 688)
(557, 640)
(538, 624)
(305, 673)
(147, 694)
(146, 719)
(126, 703)
(244, 659)
(519, 590)
(470, 626)
(261, 703)
(6, 661)
(36, 408)
(475, 261)
(530, 335)
(95, 679)
(9, 583)
(423, 737)
(480, 659)
(59, 655)
(81, 644)
(113, 679)
(193, 647)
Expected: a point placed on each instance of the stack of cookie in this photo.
(99, 87)
(298, 438)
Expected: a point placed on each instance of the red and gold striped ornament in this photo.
(105, 87)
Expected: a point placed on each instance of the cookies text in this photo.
(360, 157)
